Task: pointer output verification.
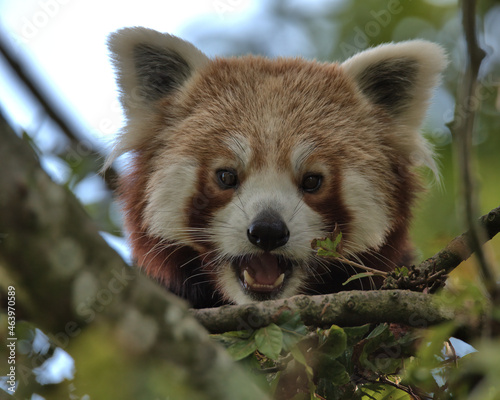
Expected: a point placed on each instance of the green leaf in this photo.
(403, 271)
(382, 352)
(293, 329)
(326, 247)
(286, 316)
(430, 355)
(379, 391)
(434, 339)
(269, 341)
(356, 333)
(381, 335)
(242, 349)
(333, 346)
(237, 334)
(301, 359)
(359, 276)
(325, 244)
(274, 383)
(327, 390)
(327, 253)
(337, 240)
(379, 330)
(332, 370)
(335, 343)
(229, 338)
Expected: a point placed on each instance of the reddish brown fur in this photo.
(170, 264)
(231, 95)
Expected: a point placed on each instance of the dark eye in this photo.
(227, 179)
(311, 183)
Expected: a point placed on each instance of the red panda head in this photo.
(238, 163)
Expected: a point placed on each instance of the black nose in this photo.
(268, 231)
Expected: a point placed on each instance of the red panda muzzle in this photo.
(263, 275)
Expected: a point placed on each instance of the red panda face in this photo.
(239, 163)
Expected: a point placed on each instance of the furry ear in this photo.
(399, 77)
(151, 64)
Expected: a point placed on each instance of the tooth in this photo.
(279, 281)
(248, 279)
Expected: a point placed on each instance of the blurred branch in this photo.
(78, 286)
(110, 176)
(462, 129)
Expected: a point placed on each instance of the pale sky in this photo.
(67, 40)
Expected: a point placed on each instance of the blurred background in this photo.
(57, 86)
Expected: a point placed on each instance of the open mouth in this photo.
(263, 276)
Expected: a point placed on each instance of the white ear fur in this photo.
(149, 64)
(400, 78)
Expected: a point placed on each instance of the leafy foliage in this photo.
(330, 246)
(330, 362)
(384, 361)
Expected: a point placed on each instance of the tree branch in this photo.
(76, 286)
(460, 248)
(351, 308)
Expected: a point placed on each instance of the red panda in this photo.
(236, 164)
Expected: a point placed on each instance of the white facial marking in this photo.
(370, 221)
(241, 149)
(169, 188)
(300, 154)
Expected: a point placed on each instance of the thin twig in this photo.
(406, 389)
(344, 260)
